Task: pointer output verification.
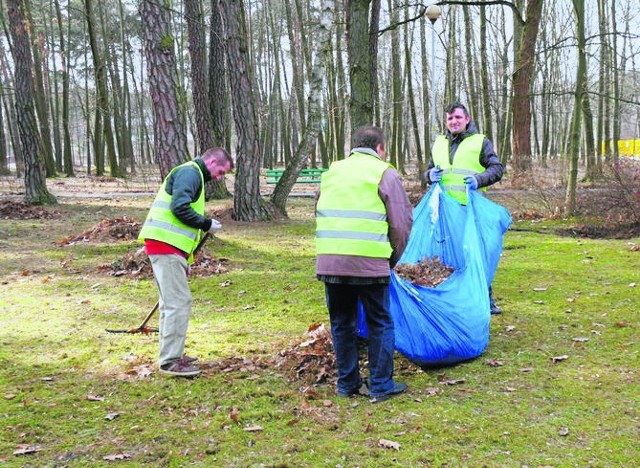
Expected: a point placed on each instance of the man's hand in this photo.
(435, 174)
(472, 182)
(215, 226)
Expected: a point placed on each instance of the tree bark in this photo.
(361, 108)
(309, 136)
(522, 79)
(247, 203)
(170, 141)
(199, 85)
(67, 158)
(576, 122)
(35, 183)
(219, 101)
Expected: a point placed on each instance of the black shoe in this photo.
(363, 391)
(494, 309)
(398, 388)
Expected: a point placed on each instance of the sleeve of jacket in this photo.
(399, 212)
(430, 165)
(185, 190)
(491, 162)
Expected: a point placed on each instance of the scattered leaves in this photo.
(117, 456)
(494, 363)
(453, 382)
(111, 416)
(234, 414)
(555, 359)
(389, 444)
(24, 449)
(254, 428)
(94, 398)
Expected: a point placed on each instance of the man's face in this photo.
(217, 170)
(457, 122)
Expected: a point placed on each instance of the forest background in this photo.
(117, 87)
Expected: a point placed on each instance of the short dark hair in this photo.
(220, 154)
(456, 105)
(368, 137)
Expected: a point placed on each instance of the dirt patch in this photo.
(429, 272)
(16, 209)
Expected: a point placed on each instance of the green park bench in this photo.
(306, 176)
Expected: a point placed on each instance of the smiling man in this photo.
(463, 157)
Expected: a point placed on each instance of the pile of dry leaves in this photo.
(122, 228)
(311, 358)
(135, 264)
(15, 209)
(429, 272)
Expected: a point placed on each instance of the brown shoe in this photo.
(180, 368)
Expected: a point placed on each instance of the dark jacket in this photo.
(488, 157)
(184, 185)
(399, 218)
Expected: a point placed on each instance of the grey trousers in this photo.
(170, 272)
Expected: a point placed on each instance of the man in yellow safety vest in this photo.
(363, 221)
(463, 158)
(170, 234)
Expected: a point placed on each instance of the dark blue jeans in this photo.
(342, 302)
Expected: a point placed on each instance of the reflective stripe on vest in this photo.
(351, 219)
(162, 225)
(466, 162)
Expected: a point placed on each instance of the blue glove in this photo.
(472, 182)
(435, 174)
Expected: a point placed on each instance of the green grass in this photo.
(67, 386)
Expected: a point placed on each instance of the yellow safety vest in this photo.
(162, 225)
(465, 163)
(351, 219)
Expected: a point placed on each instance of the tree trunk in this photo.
(40, 98)
(170, 141)
(67, 158)
(522, 79)
(218, 90)
(247, 203)
(323, 37)
(35, 183)
(415, 127)
(199, 85)
(361, 108)
(103, 114)
(487, 120)
(576, 123)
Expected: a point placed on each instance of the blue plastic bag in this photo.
(448, 323)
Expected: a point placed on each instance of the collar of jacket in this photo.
(365, 151)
